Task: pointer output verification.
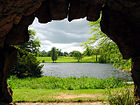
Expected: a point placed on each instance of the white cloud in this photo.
(62, 34)
(65, 47)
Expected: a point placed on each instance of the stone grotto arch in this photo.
(120, 21)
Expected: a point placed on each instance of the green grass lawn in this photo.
(47, 89)
(87, 59)
(49, 95)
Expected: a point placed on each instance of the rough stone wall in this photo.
(73, 9)
(7, 59)
(11, 13)
(15, 17)
(121, 22)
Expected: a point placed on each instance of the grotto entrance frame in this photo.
(120, 21)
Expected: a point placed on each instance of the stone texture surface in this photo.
(11, 12)
(19, 33)
(7, 59)
(73, 9)
(136, 76)
(15, 17)
(120, 21)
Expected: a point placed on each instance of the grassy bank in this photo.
(69, 83)
(87, 59)
(51, 89)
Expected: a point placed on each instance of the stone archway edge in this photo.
(120, 21)
(12, 14)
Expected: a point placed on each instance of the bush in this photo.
(26, 66)
(43, 61)
(121, 97)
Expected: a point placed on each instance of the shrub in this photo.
(121, 97)
(43, 61)
(26, 66)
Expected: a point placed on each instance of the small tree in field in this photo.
(77, 55)
(54, 54)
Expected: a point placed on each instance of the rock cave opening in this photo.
(120, 21)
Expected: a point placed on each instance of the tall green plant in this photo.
(54, 54)
(120, 97)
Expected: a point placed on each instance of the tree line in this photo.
(48, 53)
(55, 53)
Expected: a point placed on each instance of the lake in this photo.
(83, 69)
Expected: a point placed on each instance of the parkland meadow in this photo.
(63, 59)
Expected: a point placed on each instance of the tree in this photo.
(88, 51)
(109, 51)
(59, 52)
(27, 64)
(43, 53)
(66, 54)
(96, 52)
(54, 54)
(32, 45)
(48, 54)
(71, 54)
(77, 55)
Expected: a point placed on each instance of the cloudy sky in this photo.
(64, 35)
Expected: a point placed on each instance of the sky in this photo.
(64, 35)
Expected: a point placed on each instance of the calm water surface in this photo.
(83, 69)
